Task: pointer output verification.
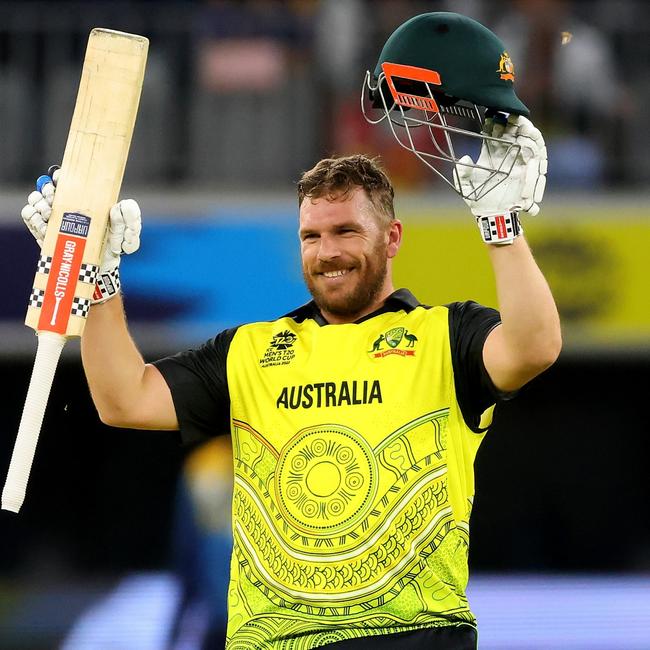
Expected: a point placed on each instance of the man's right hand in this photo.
(123, 235)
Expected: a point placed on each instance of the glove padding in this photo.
(39, 204)
(122, 236)
(523, 189)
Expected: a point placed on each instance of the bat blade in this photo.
(91, 175)
(90, 179)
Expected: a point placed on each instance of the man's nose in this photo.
(328, 248)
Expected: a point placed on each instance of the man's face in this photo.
(345, 253)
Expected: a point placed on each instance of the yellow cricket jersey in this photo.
(353, 468)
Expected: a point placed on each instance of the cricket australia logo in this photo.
(280, 351)
(397, 340)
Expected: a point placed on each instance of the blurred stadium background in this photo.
(122, 542)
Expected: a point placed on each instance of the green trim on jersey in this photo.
(353, 481)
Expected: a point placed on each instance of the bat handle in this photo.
(48, 352)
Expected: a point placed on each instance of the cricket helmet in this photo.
(439, 76)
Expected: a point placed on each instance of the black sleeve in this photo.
(469, 325)
(199, 385)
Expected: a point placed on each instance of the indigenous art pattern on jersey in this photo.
(330, 527)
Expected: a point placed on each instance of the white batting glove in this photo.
(123, 234)
(521, 151)
(39, 204)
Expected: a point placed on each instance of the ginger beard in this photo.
(362, 287)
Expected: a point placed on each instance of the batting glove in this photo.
(123, 235)
(39, 204)
(519, 149)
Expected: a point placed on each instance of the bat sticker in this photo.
(64, 272)
(74, 223)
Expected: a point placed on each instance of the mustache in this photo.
(324, 267)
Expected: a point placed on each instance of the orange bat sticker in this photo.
(64, 272)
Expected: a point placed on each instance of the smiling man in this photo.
(356, 418)
(355, 422)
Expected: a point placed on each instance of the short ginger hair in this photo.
(336, 178)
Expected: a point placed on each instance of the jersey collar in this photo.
(402, 299)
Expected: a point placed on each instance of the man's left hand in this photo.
(520, 148)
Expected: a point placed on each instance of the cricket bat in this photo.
(89, 184)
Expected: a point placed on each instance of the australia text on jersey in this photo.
(330, 393)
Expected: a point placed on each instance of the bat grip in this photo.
(48, 352)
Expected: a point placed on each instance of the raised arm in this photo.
(529, 338)
(126, 391)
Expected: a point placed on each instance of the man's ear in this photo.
(394, 237)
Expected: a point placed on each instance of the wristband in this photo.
(107, 285)
(500, 228)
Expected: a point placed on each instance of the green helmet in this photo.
(447, 73)
(472, 62)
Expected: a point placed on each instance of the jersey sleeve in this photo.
(198, 382)
(469, 326)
